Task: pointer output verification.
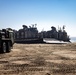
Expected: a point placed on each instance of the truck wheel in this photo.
(3, 47)
(8, 47)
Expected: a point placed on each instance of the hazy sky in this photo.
(45, 13)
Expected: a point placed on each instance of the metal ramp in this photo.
(53, 41)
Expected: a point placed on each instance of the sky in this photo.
(44, 13)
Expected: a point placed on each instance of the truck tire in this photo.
(3, 47)
(8, 47)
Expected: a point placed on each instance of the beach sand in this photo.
(39, 59)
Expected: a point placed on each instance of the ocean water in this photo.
(73, 39)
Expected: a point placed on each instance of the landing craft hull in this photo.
(40, 40)
(29, 41)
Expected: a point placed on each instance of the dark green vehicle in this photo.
(6, 40)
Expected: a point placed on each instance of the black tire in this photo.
(8, 47)
(3, 47)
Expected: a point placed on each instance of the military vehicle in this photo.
(6, 40)
(32, 35)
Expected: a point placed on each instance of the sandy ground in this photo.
(39, 59)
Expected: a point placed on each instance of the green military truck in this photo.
(6, 40)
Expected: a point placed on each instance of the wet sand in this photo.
(39, 59)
